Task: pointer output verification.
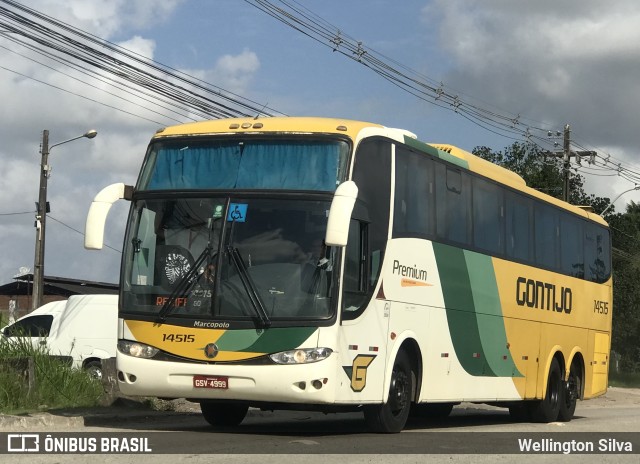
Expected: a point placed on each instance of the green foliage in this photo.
(56, 384)
(625, 380)
(626, 268)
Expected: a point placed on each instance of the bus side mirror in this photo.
(98, 211)
(340, 214)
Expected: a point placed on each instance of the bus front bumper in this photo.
(312, 383)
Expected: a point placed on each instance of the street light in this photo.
(41, 215)
(637, 187)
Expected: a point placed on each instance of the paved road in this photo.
(283, 436)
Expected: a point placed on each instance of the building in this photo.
(55, 288)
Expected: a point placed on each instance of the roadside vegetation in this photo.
(53, 385)
(625, 380)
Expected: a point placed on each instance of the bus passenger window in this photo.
(518, 221)
(488, 216)
(571, 247)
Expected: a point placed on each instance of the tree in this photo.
(625, 229)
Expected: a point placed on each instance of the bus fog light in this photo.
(301, 356)
(317, 384)
(137, 350)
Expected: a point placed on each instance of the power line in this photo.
(16, 214)
(515, 127)
(78, 231)
(103, 60)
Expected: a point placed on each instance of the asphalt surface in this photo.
(128, 411)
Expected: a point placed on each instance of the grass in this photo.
(625, 379)
(56, 385)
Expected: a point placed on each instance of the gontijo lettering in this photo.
(543, 295)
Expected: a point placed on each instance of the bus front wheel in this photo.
(223, 414)
(391, 417)
(547, 409)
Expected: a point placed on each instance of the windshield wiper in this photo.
(185, 285)
(249, 287)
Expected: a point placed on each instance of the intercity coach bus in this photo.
(336, 265)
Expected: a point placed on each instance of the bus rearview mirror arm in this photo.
(340, 214)
(98, 211)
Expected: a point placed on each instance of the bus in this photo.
(336, 265)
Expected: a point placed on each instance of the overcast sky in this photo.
(550, 62)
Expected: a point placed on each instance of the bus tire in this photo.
(572, 388)
(547, 409)
(223, 414)
(391, 417)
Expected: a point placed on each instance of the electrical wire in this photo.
(79, 232)
(514, 127)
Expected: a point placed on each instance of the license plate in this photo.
(203, 381)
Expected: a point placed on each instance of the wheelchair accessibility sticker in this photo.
(237, 212)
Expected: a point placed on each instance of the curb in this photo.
(113, 416)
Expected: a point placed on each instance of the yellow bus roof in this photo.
(291, 125)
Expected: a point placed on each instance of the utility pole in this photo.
(41, 221)
(566, 154)
(567, 162)
(42, 208)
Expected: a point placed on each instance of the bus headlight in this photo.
(301, 356)
(137, 350)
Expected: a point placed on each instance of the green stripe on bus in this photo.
(461, 314)
(264, 341)
(486, 301)
(238, 340)
(433, 151)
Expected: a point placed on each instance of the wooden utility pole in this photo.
(566, 152)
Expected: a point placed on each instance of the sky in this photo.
(552, 63)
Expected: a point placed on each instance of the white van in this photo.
(82, 330)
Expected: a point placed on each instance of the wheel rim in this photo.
(399, 392)
(95, 372)
(572, 390)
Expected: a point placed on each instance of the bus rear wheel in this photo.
(391, 417)
(572, 388)
(223, 414)
(547, 409)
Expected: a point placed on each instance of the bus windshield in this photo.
(229, 258)
(281, 164)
